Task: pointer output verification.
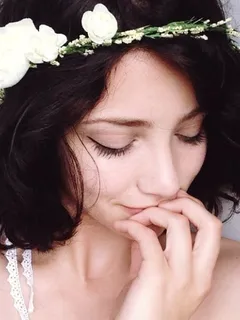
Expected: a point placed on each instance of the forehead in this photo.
(143, 85)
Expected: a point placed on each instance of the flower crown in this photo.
(22, 46)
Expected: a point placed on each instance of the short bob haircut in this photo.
(49, 101)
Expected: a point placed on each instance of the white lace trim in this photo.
(13, 279)
(28, 274)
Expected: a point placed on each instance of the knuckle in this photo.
(200, 203)
(182, 201)
(184, 283)
(192, 199)
(203, 285)
(180, 220)
(215, 223)
(155, 277)
(204, 288)
(150, 233)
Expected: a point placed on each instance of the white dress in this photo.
(14, 281)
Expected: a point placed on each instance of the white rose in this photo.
(20, 44)
(44, 46)
(17, 33)
(100, 24)
(13, 67)
(13, 41)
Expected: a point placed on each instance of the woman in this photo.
(113, 161)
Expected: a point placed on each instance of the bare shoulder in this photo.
(223, 301)
(3, 273)
(4, 285)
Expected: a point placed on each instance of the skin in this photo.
(78, 277)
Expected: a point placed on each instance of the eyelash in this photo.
(110, 152)
(196, 140)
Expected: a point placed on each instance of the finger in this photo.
(178, 238)
(147, 240)
(184, 194)
(208, 238)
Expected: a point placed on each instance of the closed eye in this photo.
(195, 140)
(109, 152)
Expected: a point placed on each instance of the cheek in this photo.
(190, 163)
(89, 173)
(104, 178)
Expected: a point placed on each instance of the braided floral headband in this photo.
(22, 46)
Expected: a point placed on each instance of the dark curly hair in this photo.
(49, 101)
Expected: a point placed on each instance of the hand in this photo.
(171, 283)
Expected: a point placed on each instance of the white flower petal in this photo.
(16, 34)
(47, 35)
(20, 44)
(46, 30)
(2, 31)
(85, 20)
(24, 23)
(44, 46)
(61, 39)
(114, 25)
(95, 38)
(12, 71)
(100, 8)
(34, 57)
(34, 51)
(50, 54)
(3, 77)
(100, 24)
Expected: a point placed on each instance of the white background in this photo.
(231, 229)
(235, 10)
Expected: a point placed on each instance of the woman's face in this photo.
(142, 143)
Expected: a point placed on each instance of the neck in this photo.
(95, 253)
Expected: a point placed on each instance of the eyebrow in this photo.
(127, 122)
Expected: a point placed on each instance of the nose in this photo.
(158, 175)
